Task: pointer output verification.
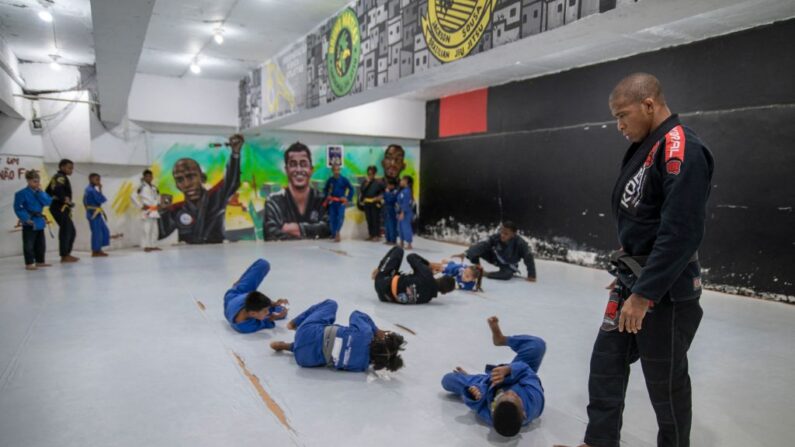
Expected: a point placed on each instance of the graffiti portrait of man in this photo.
(296, 212)
(199, 219)
(394, 161)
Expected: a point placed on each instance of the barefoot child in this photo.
(248, 310)
(507, 396)
(320, 342)
(29, 204)
(417, 288)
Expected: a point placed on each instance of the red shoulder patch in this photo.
(673, 166)
(675, 150)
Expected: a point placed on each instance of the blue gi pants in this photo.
(311, 324)
(336, 217)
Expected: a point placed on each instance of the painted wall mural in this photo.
(396, 39)
(212, 193)
(284, 82)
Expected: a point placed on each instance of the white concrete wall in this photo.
(194, 101)
(39, 76)
(391, 117)
(9, 104)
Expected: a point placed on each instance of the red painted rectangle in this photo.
(463, 114)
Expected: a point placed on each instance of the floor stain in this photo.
(406, 329)
(336, 251)
(266, 398)
(201, 305)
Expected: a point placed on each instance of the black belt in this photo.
(620, 258)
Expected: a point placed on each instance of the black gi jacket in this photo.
(505, 255)
(659, 203)
(202, 222)
(373, 189)
(281, 208)
(59, 189)
(417, 288)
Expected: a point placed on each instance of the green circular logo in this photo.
(344, 52)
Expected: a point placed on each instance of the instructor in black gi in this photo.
(659, 204)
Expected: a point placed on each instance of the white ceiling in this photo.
(178, 29)
(32, 39)
(253, 31)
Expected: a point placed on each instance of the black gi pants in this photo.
(66, 229)
(661, 345)
(33, 245)
(387, 269)
(373, 215)
(483, 250)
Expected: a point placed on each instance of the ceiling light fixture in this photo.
(218, 36)
(45, 15)
(54, 64)
(194, 67)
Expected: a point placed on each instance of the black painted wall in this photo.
(552, 152)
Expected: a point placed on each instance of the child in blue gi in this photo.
(405, 202)
(390, 211)
(248, 310)
(320, 342)
(467, 277)
(338, 192)
(507, 396)
(93, 200)
(29, 205)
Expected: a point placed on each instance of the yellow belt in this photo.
(97, 211)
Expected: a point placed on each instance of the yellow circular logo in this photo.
(452, 28)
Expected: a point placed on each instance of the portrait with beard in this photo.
(297, 211)
(394, 162)
(199, 219)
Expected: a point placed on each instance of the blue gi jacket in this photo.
(456, 270)
(522, 380)
(93, 198)
(337, 187)
(356, 338)
(29, 205)
(405, 201)
(390, 202)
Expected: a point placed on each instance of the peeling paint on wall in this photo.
(566, 250)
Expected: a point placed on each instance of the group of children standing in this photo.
(388, 198)
(29, 204)
(392, 199)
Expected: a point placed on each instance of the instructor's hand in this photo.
(632, 313)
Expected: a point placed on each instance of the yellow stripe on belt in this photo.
(97, 211)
